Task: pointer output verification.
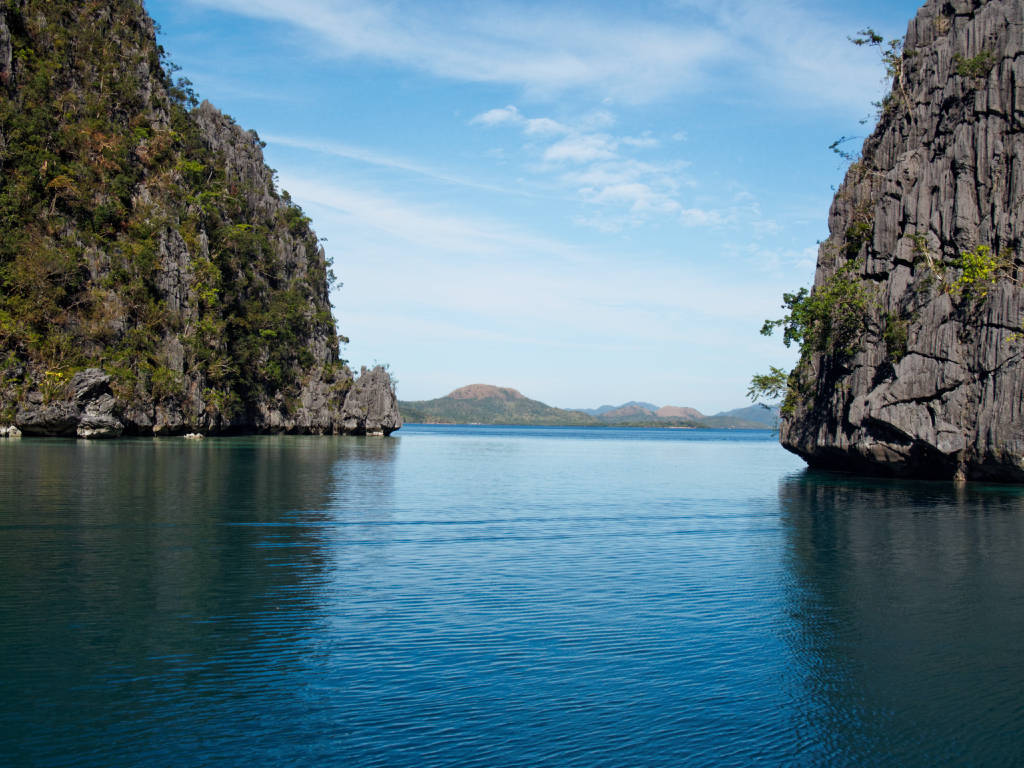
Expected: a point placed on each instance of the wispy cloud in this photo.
(371, 157)
(506, 274)
(551, 49)
(498, 116)
(697, 217)
(786, 47)
(597, 167)
(582, 148)
(605, 171)
(641, 142)
(510, 115)
(424, 227)
(545, 50)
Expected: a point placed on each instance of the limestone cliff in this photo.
(153, 280)
(926, 232)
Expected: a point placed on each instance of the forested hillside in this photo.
(142, 234)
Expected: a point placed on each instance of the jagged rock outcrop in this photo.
(370, 405)
(153, 280)
(88, 411)
(935, 384)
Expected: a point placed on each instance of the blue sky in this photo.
(591, 202)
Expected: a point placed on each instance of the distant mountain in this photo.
(629, 412)
(486, 404)
(606, 408)
(678, 412)
(757, 414)
(638, 413)
(486, 392)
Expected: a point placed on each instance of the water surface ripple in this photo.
(459, 596)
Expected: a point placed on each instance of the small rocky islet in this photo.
(153, 279)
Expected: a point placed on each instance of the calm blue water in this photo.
(469, 596)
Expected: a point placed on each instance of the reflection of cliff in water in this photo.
(907, 601)
(138, 569)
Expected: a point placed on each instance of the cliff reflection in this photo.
(907, 618)
(134, 570)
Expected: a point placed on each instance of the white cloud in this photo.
(587, 167)
(777, 260)
(597, 167)
(425, 227)
(498, 116)
(640, 197)
(541, 126)
(697, 217)
(602, 223)
(641, 142)
(510, 115)
(505, 277)
(546, 50)
(494, 246)
(596, 120)
(582, 149)
(787, 47)
(551, 49)
(622, 170)
(372, 157)
(624, 191)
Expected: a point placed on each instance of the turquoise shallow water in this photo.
(470, 596)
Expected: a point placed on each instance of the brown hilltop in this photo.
(485, 392)
(678, 412)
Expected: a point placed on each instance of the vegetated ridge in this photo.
(912, 346)
(606, 408)
(153, 280)
(486, 404)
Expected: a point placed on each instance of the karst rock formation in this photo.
(929, 223)
(153, 278)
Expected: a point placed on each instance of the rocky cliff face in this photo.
(926, 234)
(152, 278)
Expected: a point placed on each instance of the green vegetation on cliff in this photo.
(140, 232)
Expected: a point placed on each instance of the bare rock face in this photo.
(935, 387)
(90, 410)
(6, 59)
(371, 407)
(6, 50)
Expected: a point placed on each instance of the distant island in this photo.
(487, 404)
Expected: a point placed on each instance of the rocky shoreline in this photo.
(89, 409)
